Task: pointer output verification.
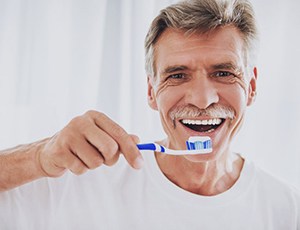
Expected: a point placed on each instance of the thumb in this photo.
(135, 138)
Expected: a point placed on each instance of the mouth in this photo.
(203, 125)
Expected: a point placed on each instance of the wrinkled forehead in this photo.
(175, 47)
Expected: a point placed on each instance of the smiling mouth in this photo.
(203, 126)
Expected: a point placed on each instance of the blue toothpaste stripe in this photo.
(198, 145)
(188, 145)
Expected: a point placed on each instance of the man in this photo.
(201, 78)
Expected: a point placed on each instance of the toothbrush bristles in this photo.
(198, 143)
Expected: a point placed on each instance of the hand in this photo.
(87, 142)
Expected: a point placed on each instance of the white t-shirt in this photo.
(120, 197)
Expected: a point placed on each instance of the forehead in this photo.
(175, 47)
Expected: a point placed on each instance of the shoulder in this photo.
(272, 186)
(271, 180)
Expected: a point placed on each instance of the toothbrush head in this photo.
(199, 143)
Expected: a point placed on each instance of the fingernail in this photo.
(138, 163)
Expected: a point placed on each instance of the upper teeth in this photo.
(215, 121)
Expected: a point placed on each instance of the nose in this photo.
(202, 92)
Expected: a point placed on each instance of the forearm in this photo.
(20, 165)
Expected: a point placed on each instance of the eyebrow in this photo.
(175, 68)
(226, 65)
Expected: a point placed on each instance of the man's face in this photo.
(202, 87)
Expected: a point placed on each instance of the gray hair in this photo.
(202, 16)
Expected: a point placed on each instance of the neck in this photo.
(204, 178)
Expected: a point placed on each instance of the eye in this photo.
(223, 74)
(176, 76)
(176, 79)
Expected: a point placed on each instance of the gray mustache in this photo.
(191, 111)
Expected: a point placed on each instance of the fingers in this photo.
(103, 145)
(135, 138)
(75, 165)
(87, 154)
(126, 143)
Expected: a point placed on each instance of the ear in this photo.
(252, 88)
(151, 95)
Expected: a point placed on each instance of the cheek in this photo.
(235, 95)
(167, 96)
(237, 90)
(161, 88)
(242, 83)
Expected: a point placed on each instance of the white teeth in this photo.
(215, 121)
(209, 131)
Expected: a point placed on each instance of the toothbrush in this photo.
(195, 145)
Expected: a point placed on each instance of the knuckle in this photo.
(135, 138)
(80, 124)
(97, 162)
(75, 121)
(119, 133)
(112, 161)
(94, 114)
(110, 153)
(90, 113)
(78, 169)
(109, 149)
(113, 148)
(65, 141)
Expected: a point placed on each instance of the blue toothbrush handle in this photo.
(146, 146)
(151, 146)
